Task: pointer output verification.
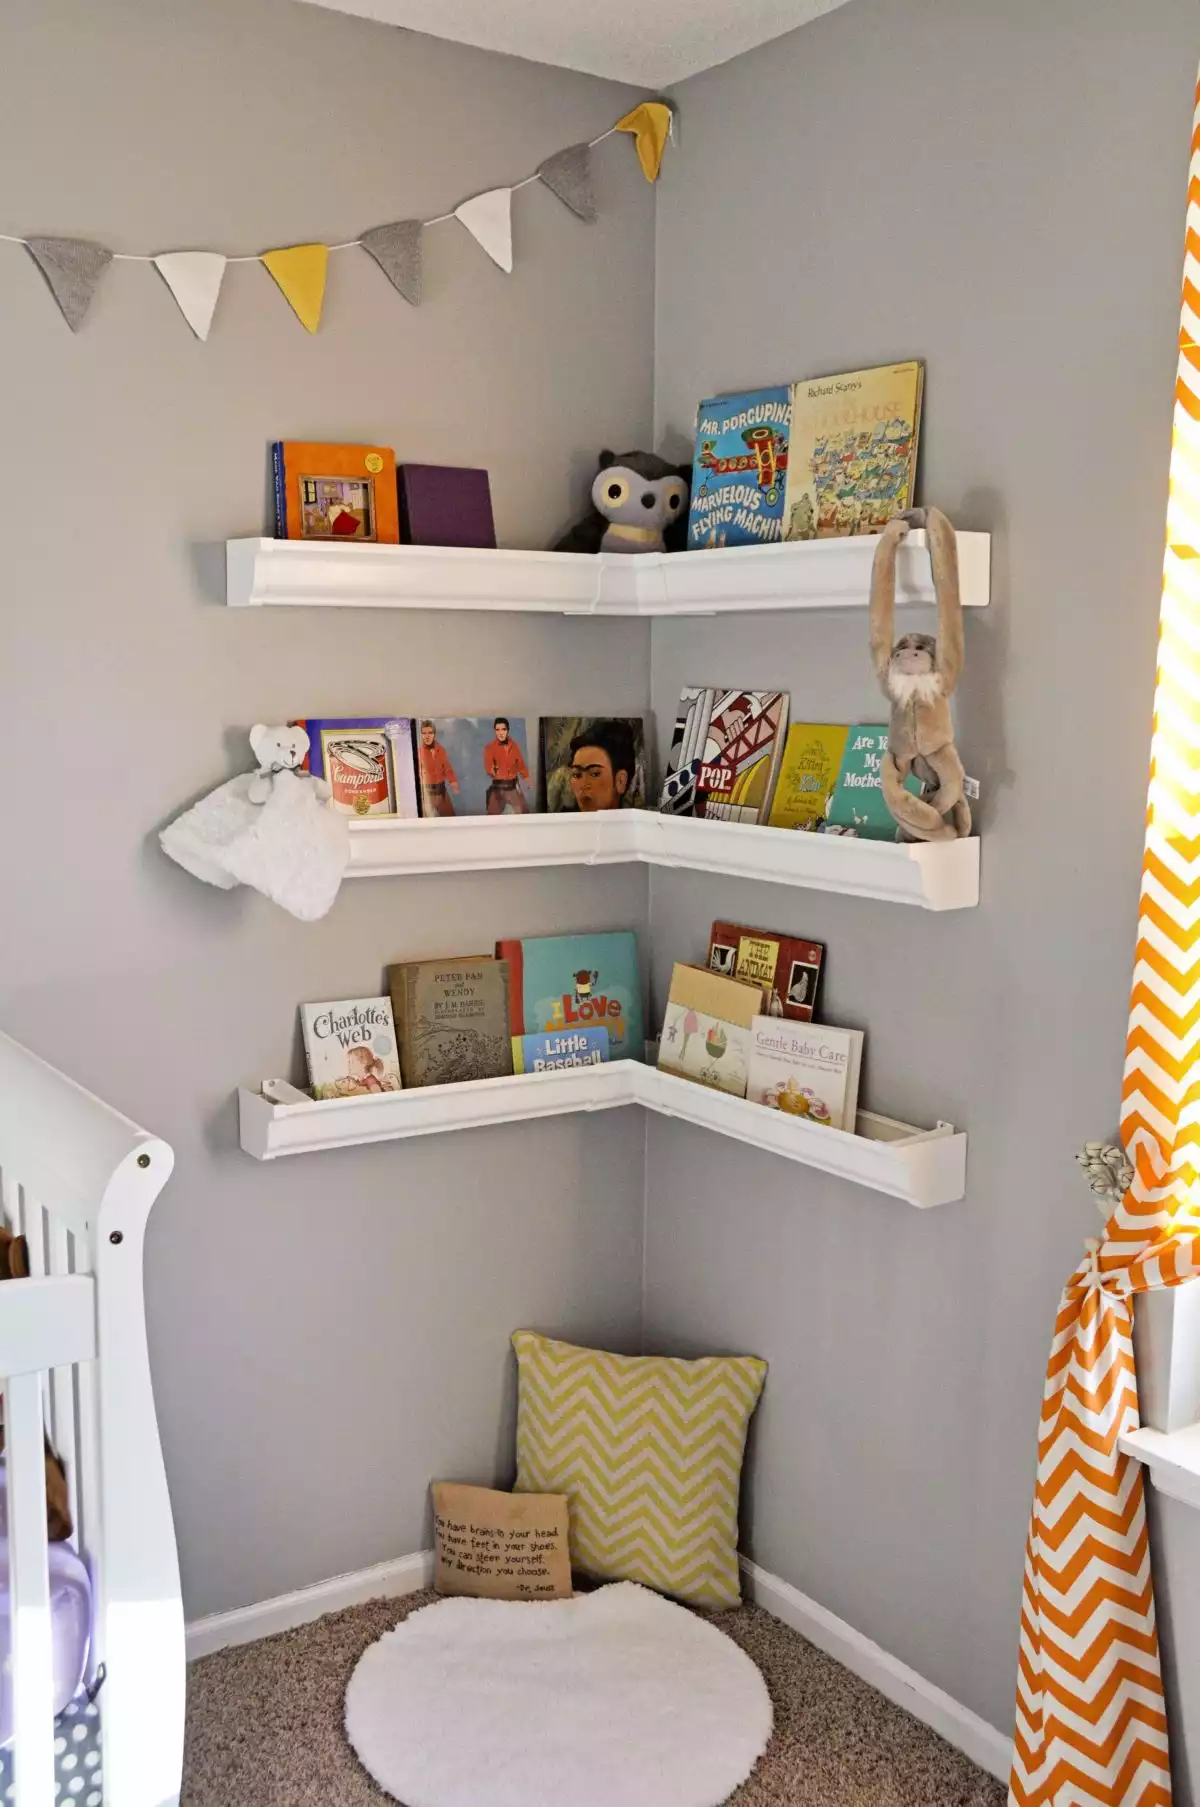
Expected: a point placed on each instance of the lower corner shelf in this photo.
(920, 1167)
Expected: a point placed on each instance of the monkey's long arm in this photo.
(943, 556)
(883, 597)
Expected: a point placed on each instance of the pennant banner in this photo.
(568, 174)
(650, 124)
(72, 267)
(397, 251)
(488, 218)
(300, 272)
(194, 278)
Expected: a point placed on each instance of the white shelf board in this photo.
(1173, 1458)
(798, 574)
(941, 875)
(921, 1167)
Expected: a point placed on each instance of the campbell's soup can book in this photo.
(367, 761)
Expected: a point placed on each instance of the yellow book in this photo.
(852, 455)
(812, 759)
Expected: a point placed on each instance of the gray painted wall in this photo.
(330, 1333)
(1000, 191)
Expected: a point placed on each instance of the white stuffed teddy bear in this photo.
(277, 750)
(272, 829)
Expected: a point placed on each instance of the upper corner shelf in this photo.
(795, 574)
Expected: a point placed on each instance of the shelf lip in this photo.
(788, 575)
(1172, 1458)
(940, 875)
(920, 1167)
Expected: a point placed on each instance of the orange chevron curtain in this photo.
(1091, 1725)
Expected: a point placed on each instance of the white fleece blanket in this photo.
(293, 848)
(612, 1699)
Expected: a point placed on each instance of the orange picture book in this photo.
(335, 492)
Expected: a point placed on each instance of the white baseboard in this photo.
(387, 1580)
(987, 1747)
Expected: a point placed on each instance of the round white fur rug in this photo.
(615, 1698)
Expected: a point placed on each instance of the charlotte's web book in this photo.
(577, 982)
(561, 1048)
(740, 468)
(812, 758)
(725, 753)
(852, 461)
(808, 1070)
(706, 1028)
(788, 968)
(857, 806)
(351, 1047)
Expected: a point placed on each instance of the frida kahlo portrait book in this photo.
(592, 762)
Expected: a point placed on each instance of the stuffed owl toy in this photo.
(639, 504)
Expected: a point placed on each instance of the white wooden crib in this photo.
(78, 1179)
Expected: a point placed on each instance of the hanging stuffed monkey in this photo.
(919, 675)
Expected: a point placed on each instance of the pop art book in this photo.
(740, 469)
(725, 753)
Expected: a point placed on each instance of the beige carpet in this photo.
(265, 1726)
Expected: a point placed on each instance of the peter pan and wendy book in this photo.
(787, 967)
(568, 982)
(451, 1019)
(725, 753)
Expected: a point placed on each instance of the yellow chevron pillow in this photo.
(648, 1450)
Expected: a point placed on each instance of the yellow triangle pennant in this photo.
(650, 124)
(300, 272)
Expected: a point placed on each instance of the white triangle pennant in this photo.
(488, 218)
(194, 278)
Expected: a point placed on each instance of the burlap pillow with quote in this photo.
(500, 1546)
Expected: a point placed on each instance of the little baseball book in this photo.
(563, 1048)
(788, 967)
(367, 761)
(562, 982)
(335, 492)
(725, 754)
(740, 471)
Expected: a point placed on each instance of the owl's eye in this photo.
(675, 498)
(616, 490)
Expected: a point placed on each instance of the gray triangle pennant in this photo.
(568, 174)
(397, 251)
(72, 267)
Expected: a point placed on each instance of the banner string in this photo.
(349, 244)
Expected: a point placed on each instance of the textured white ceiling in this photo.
(630, 40)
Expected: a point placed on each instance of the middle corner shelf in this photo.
(932, 875)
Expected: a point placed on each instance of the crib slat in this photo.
(62, 1388)
(32, 1678)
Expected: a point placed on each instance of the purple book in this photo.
(444, 505)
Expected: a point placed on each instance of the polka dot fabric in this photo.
(78, 1773)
